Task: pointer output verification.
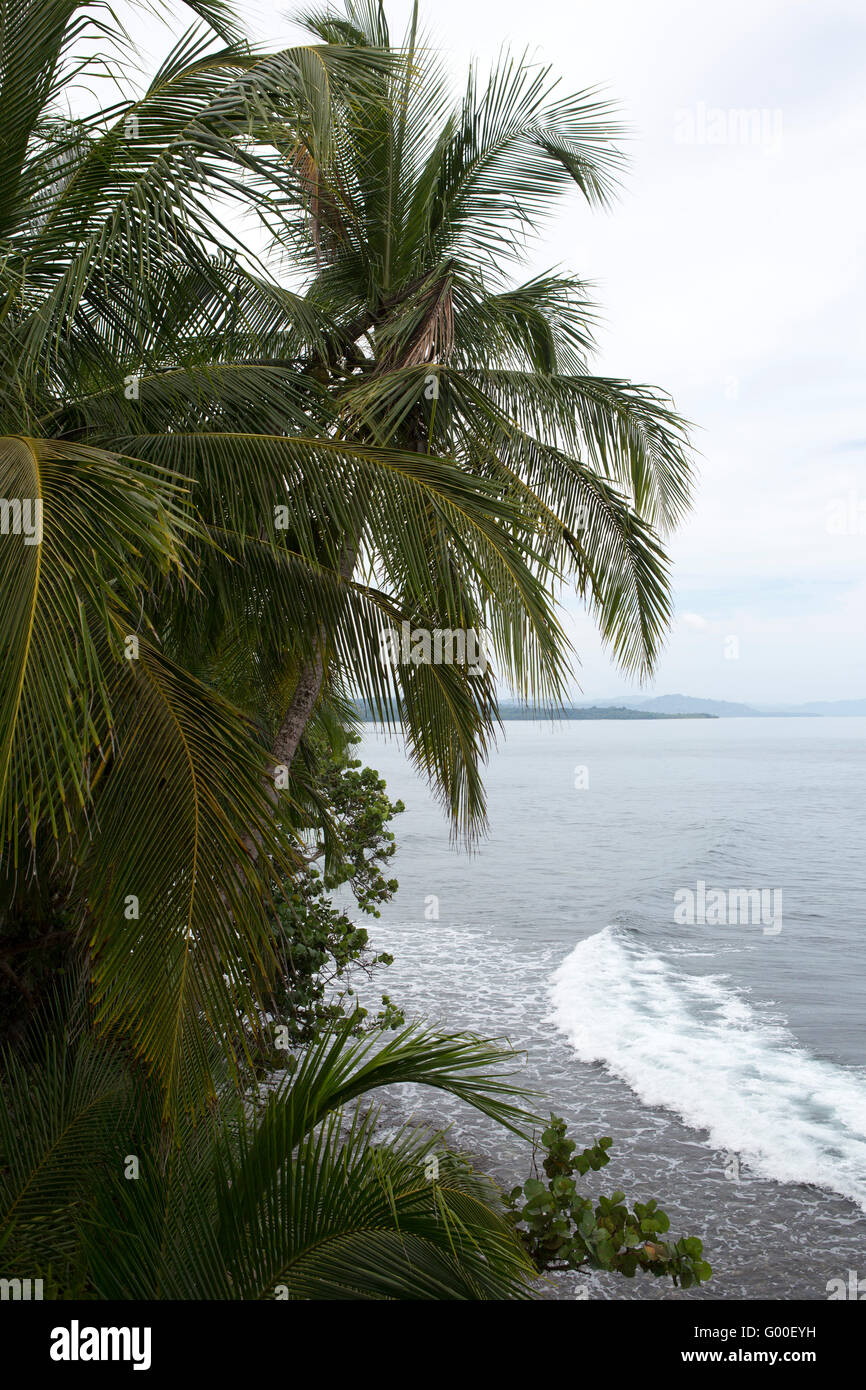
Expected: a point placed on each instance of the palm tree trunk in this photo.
(309, 685)
(301, 707)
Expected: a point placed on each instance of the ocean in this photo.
(668, 919)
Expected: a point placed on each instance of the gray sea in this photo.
(669, 919)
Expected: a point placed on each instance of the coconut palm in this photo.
(292, 1196)
(246, 481)
(408, 236)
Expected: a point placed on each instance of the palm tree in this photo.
(244, 486)
(281, 1198)
(407, 235)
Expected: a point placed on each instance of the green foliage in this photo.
(348, 811)
(163, 396)
(353, 814)
(38, 916)
(560, 1229)
(283, 1195)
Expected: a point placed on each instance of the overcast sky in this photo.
(730, 273)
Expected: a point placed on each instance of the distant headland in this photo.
(660, 707)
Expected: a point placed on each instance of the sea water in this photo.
(603, 928)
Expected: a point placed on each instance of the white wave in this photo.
(694, 1046)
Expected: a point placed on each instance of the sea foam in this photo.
(695, 1046)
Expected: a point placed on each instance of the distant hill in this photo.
(670, 707)
(678, 706)
(831, 707)
(685, 704)
(688, 704)
(515, 712)
(594, 712)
